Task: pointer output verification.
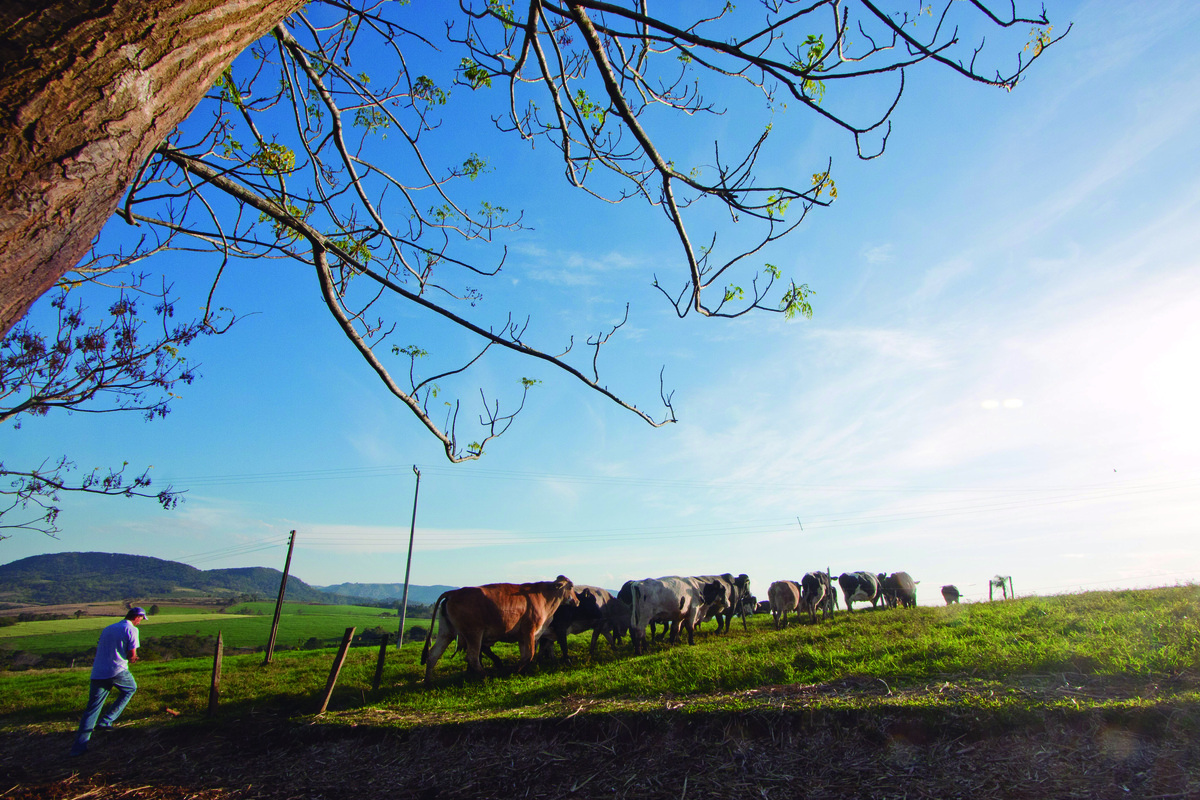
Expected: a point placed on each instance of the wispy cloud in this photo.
(878, 254)
(572, 268)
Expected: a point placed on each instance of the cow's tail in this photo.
(429, 634)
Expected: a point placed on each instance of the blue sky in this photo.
(1000, 376)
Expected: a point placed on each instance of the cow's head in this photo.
(564, 590)
(589, 604)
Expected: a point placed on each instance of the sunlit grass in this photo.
(1019, 655)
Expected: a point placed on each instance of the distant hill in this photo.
(95, 577)
(422, 595)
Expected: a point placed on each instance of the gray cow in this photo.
(898, 589)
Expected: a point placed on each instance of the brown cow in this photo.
(496, 612)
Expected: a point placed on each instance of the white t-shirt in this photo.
(112, 654)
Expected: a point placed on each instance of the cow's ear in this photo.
(562, 581)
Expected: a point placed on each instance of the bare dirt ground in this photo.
(676, 752)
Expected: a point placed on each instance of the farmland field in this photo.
(1094, 695)
(245, 625)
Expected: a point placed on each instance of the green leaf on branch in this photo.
(425, 89)
(475, 166)
(229, 90)
(823, 183)
(1039, 39)
(588, 109)
(504, 12)
(354, 248)
(477, 76)
(372, 119)
(795, 301)
(273, 158)
(777, 206)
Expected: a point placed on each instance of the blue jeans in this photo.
(125, 685)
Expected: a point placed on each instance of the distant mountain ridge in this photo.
(57, 578)
(424, 595)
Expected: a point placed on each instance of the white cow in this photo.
(674, 600)
(784, 597)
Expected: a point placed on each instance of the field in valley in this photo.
(242, 625)
(1089, 695)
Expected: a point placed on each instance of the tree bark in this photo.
(90, 88)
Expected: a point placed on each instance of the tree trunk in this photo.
(90, 88)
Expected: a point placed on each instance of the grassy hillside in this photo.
(1001, 655)
(1087, 696)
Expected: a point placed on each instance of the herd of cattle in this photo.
(476, 617)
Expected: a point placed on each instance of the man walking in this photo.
(117, 648)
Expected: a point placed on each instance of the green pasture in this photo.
(244, 625)
(1132, 650)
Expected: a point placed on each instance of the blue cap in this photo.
(137, 611)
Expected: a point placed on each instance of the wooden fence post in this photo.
(214, 689)
(337, 668)
(379, 664)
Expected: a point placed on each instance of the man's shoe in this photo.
(78, 750)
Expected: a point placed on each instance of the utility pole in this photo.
(287, 565)
(412, 531)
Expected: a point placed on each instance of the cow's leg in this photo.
(604, 628)
(446, 635)
(525, 644)
(545, 647)
(562, 644)
(473, 645)
(486, 649)
(690, 626)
